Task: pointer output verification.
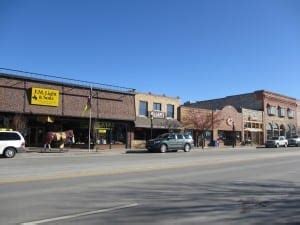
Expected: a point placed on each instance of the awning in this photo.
(142, 122)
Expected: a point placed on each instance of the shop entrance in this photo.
(229, 137)
(35, 136)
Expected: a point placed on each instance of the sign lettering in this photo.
(43, 96)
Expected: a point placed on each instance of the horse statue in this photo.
(61, 137)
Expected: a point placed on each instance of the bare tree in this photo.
(201, 121)
(172, 125)
(19, 123)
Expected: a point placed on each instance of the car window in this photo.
(179, 136)
(8, 136)
(187, 136)
(172, 136)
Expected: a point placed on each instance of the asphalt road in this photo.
(253, 186)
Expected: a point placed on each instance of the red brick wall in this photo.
(14, 97)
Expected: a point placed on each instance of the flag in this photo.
(88, 105)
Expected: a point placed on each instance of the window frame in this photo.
(146, 108)
(173, 112)
(157, 104)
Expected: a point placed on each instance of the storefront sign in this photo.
(102, 131)
(157, 114)
(104, 125)
(229, 121)
(43, 96)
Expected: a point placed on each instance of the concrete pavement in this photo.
(201, 187)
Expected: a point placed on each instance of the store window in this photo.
(156, 106)
(170, 111)
(143, 108)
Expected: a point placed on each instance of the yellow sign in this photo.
(102, 131)
(43, 96)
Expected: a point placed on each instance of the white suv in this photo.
(11, 142)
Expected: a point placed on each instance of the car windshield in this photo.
(295, 137)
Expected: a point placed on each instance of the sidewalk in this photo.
(79, 151)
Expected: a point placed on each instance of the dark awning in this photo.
(143, 122)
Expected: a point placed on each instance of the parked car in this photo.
(277, 142)
(294, 141)
(171, 142)
(11, 142)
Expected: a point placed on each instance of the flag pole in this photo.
(90, 118)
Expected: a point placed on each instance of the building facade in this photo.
(298, 117)
(279, 111)
(253, 126)
(155, 115)
(208, 126)
(36, 106)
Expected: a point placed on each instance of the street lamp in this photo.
(151, 124)
(234, 135)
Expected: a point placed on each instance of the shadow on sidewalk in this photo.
(137, 151)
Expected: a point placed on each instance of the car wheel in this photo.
(163, 148)
(9, 153)
(277, 146)
(285, 145)
(187, 148)
(298, 145)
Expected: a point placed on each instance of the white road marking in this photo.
(80, 214)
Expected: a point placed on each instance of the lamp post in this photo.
(234, 135)
(151, 124)
(212, 126)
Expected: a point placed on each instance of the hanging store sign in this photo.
(157, 114)
(43, 96)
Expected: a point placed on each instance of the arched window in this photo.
(275, 130)
(294, 130)
(269, 131)
(289, 131)
(282, 130)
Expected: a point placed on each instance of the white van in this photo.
(11, 142)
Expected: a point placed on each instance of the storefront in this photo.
(253, 128)
(155, 115)
(35, 106)
(222, 126)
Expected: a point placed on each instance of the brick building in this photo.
(224, 125)
(155, 115)
(41, 105)
(298, 116)
(279, 111)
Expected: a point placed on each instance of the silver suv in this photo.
(171, 142)
(11, 142)
(294, 141)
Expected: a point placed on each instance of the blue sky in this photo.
(189, 48)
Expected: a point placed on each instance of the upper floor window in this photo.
(143, 108)
(156, 106)
(290, 113)
(170, 111)
(281, 112)
(271, 110)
